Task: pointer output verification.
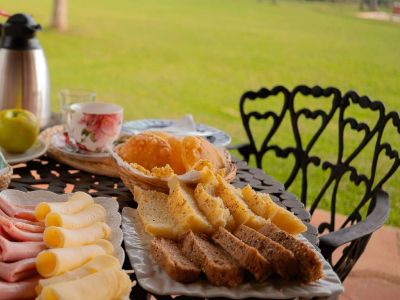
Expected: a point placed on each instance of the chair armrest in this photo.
(329, 242)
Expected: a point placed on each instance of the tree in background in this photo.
(372, 5)
(59, 18)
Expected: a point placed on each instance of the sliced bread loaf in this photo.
(218, 266)
(310, 266)
(183, 208)
(171, 259)
(212, 206)
(262, 205)
(246, 256)
(154, 214)
(283, 261)
(236, 205)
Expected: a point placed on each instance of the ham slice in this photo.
(17, 211)
(12, 272)
(16, 233)
(22, 220)
(18, 290)
(27, 206)
(24, 225)
(4, 234)
(13, 251)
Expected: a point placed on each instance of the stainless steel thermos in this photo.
(24, 75)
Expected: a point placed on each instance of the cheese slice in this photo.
(97, 264)
(84, 218)
(76, 203)
(58, 237)
(108, 284)
(53, 262)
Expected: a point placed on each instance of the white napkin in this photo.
(182, 126)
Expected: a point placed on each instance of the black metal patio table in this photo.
(48, 174)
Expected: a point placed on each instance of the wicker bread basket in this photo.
(133, 177)
(5, 177)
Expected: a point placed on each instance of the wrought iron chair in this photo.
(372, 209)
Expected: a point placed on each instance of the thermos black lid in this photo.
(18, 33)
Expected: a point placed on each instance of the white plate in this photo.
(213, 135)
(152, 278)
(111, 206)
(37, 150)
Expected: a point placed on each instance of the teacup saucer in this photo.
(60, 141)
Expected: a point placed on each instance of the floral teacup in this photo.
(94, 126)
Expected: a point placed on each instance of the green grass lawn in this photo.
(165, 58)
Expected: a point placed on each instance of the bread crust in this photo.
(176, 148)
(310, 266)
(283, 261)
(196, 148)
(246, 256)
(219, 267)
(170, 258)
(147, 150)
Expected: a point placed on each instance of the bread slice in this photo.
(261, 204)
(153, 212)
(283, 261)
(212, 206)
(184, 209)
(218, 266)
(310, 266)
(287, 221)
(247, 256)
(170, 258)
(236, 205)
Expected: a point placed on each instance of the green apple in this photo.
(19, 130)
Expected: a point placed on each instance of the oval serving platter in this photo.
(152, 278)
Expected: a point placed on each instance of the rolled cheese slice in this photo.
(84, 218)
(97, 264)
(77, 202)
(111, 283)
(53, 262)
(58, 237)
